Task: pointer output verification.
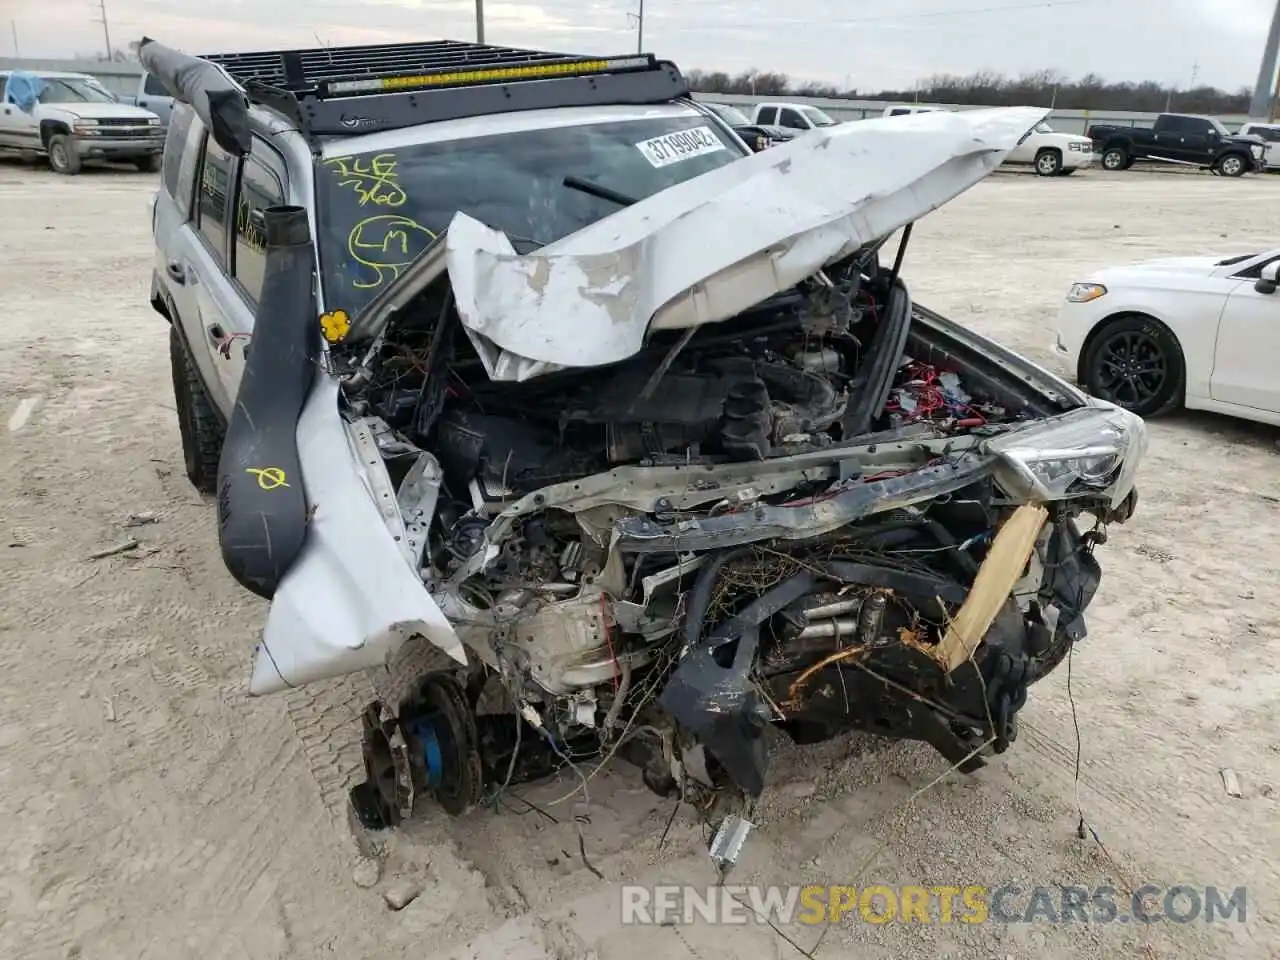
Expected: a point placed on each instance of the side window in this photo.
(899, 112)
(768, 116)
(174, 143)
(1177, 125)
(261, 187)
(1254, 272)
(153, 87)
(791, 118)
(217, 169)
(3, 82)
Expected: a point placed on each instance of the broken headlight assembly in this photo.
(1094, 452)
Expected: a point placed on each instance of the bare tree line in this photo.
(1044, 88)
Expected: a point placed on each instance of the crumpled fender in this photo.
(350, 599)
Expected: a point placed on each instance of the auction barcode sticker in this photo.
(680, 145)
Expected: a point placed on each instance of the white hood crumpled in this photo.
(709, 248)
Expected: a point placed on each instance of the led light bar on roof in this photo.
(343, 91)
(451, 78)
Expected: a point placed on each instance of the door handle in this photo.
(177, 272)
(216, 333)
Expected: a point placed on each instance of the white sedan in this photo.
(1203, 332)
(1052, 153)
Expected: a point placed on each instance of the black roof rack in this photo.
(340, 91)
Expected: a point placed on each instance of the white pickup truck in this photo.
(794, 116)
(1051, 152)
(71, 118)
(1270, 132)
(152, 96)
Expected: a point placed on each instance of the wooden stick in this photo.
(1002, 568)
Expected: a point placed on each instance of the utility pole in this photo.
(106, 30)
(479, 21)
(17, 51)
(1260, 106)
(640, 29)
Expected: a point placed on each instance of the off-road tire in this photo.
(63, 156)
(198, 421)
(1171, 393)
(149, 164)
(1115, 158)
(1232, 165)
(1049, 162)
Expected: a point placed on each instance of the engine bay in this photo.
(776, 381)
(765, 522)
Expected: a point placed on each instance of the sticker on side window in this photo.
(680, 145)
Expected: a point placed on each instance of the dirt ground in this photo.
(150, 809)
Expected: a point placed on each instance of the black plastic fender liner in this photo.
(262, 507)
(219, 103)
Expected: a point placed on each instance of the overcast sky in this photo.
(845, 42)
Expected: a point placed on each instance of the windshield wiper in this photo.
(604, 193)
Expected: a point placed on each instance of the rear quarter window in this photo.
(174, 145)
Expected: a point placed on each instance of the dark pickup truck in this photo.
(1201, 142)
(757, 136)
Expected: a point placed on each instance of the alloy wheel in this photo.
(1132, 368)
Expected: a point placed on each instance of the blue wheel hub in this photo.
(426, 739)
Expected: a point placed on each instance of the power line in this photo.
(858, 21)
(106, 30)
(639, 19)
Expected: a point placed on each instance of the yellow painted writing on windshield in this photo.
(374, 179)
(386, 244)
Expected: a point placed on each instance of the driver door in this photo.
(18, 130)
(1244, 360)
(792, 119)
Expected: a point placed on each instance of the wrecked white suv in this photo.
(532, 367)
